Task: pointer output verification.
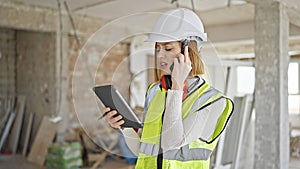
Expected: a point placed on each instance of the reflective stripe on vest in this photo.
(205, 96)
(199, 102)
(149, 149)
(192, 104)
(187, 154)
(198, 151)
(150, 94)
(183, 154)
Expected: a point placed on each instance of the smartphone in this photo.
(183, 45)
(167, 78)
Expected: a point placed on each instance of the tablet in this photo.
(110, 97)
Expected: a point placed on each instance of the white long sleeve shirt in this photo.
(177, 132)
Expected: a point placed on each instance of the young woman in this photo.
(184, 115)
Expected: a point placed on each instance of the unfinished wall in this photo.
(36, 63)
(7, 62)
(114, 69)
(35, 74)
(111, 68)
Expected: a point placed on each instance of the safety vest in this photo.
(195, 155)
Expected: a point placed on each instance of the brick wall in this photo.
(29, 67)
(35, 74)
(113, 68)
(7, 62)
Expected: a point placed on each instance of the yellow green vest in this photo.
(195, 155)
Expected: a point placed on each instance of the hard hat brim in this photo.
(157, 37)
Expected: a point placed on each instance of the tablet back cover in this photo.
(110, 97)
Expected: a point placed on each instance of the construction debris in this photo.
(42, 141)
(64, 156)
(104, 154)
(12, 111)
(295, 146)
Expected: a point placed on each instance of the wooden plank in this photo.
(104, 154)
(3, 101)
(93, 157)
(9, 108)
(42, 141)
(7, 129)
(14, 136)
(28, 133)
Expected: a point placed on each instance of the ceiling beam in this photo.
(245, 47)
(92, 5)
(294, 16)
(293, 8)
(237, 32)
(230, 32)
(21, 16)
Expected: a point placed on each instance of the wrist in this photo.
(176, 86)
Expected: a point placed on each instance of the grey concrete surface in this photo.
(271, 100)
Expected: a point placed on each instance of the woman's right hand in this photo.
(114, 121)
(181, 70)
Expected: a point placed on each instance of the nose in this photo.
(160, 54)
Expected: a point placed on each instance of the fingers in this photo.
(118, 124)
(113, 120)
(110, 115)
(184, 58)
(105, 110)
(176, 60)
(182, 69)
(179, 58)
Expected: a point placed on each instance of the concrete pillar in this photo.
(62, 75)
(62, 86)
(271, 97)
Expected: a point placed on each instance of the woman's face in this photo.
(165, 53)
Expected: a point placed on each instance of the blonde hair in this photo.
(197, 64)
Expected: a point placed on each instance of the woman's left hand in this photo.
(181, 70)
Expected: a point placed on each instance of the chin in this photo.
(164, 72)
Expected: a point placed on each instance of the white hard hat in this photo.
(177, 25)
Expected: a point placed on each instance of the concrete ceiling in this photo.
(213, 12)
(224, 22)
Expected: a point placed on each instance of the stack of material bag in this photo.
(64, 156)
(295, 146)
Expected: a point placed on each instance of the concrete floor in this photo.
(247, 153)
(246, 159)
(117, 164)
(15, 161)
(294, 163)
(19, 161)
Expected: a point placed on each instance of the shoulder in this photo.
(152, 87)
(221, 102)
(216, 97)
(151, 90)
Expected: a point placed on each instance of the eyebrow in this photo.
(163, 44)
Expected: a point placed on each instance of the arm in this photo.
(132, 140)
(177, 132)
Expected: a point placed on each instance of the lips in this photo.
(163, 65)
